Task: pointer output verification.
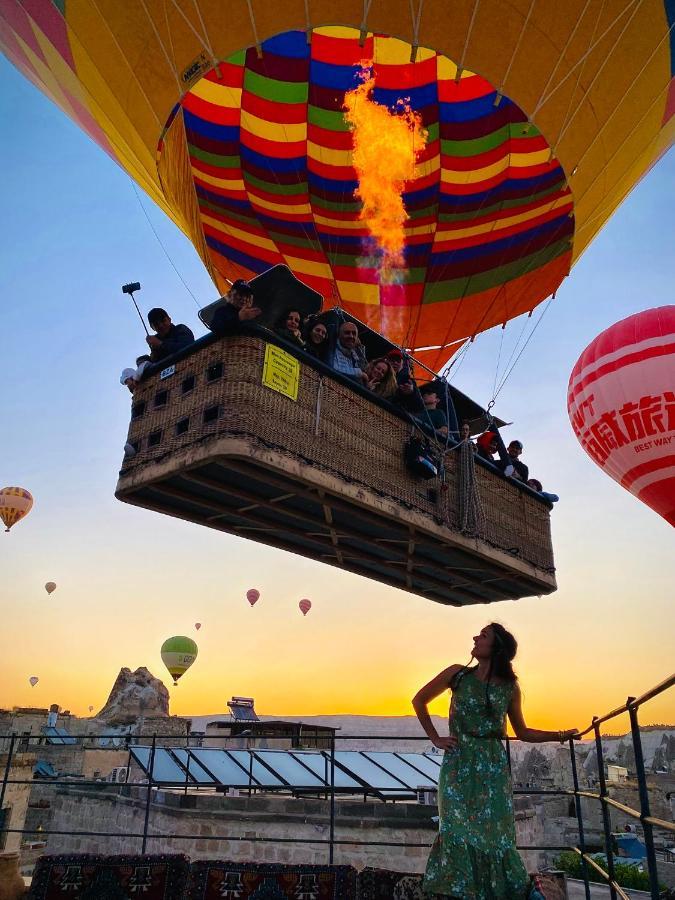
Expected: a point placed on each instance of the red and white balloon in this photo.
(252, 595)
(305, 606)
(621, 403)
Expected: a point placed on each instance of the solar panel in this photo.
(424, 763)
(319, 763)
(382, 773)
(244, 714)
(164, 767)
(52, 735)
(373, 777)
(290, 769)
(402, 770)
(223, 768)
(197, 772)
(67, 739)
(261, 774)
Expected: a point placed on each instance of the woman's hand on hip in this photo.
(445, 743)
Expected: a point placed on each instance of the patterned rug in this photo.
(215, 880)
(87, 876)
(381, 884)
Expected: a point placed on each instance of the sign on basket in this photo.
(281, 372)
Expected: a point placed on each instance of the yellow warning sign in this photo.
(281, 372)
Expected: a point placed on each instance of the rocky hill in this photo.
(135, 695)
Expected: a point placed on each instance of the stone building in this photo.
(258, 827)
(16, 797)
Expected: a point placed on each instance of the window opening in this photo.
(182, 425)
(214, 372)
(154, 438)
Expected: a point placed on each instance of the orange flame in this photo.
(386, 146)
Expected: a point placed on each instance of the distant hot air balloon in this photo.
(305, 606)
(178, 654)
(33, 680)
(15, 503)
(252, 595)
(198, 625)
(50, 587)
(621, 402)
(91, 709)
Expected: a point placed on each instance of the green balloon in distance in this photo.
(178, 654)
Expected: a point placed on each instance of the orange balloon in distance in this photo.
(33, 680)
(198, 625)
(15, 503)
(305, 606)
(50, 587)
(621, 403)
(252, 595)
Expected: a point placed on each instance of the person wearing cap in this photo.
(238, 307)
(521, 471)
(168, 338)
(432, 415)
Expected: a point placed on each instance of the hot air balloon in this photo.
(91, 709)
(178, 654)
(50, 587)
(621, 403)
(235, 127)
(252, 595)
(305, 606)
(15, 503)
(198, 625)
(33, 680)
(527, 130)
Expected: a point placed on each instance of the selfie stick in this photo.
(129, 289)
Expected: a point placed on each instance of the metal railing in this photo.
(643, 814)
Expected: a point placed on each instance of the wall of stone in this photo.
(197, 819)
(16, 796)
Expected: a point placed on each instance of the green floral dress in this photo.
(474, 856)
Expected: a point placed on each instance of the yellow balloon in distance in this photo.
(178, 654)
(15, 503)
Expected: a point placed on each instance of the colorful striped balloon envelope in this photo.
(539, 119)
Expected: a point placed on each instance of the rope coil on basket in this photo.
(471, 515)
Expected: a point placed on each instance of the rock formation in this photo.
(135, 695)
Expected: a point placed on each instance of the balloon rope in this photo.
(508, 374)
(159, 241)
(579, 62)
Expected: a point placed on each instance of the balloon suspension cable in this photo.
(129, 289)
(165, 251)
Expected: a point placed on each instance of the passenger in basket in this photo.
(348, 355)
(535, 484)
(238, 307)
(432, 415)
(487, 446)
(288, 328)
(316, 339)
(131, 377)
(169, 338)
(521, 472)
(407, 395)
(465, 434)
(381, 379)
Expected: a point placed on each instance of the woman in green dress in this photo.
(474, 856)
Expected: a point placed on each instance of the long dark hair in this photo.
(504, 648)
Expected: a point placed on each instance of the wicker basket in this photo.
(210, 437)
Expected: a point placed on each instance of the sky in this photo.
(74, 231)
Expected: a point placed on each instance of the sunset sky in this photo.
(74, 232)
